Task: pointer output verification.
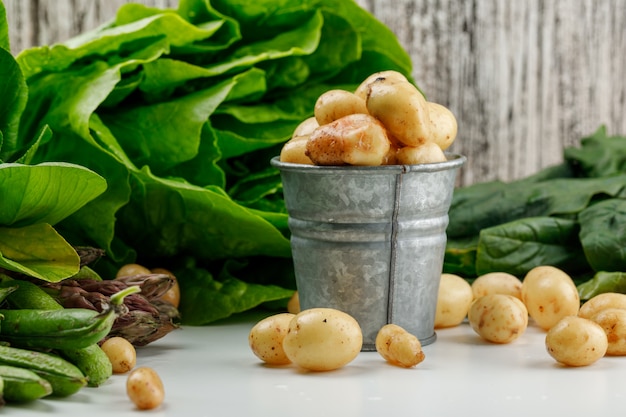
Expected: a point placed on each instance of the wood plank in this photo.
(525, 79)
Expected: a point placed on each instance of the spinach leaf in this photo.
(603, 234)
(602, 282)
(494, 204)
(518, 246)
(599, 156)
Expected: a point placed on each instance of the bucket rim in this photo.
(454, 161)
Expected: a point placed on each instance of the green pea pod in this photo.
(70, 328)
(64, 377)
(23, 385)
(91, 360)
(26, 294)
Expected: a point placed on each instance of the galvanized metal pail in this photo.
(370, 241)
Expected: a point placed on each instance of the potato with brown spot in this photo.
(402, 109)
(266, 338)
(613, 321)
(356, 139)
(602, 302)
(390, 76)
(498, 318)
(549, 295)
(322, 339)
(575, 341)
(399, 347)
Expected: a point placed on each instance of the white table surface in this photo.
(211, 371)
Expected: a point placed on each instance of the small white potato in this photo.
(294, 151)
(145, 388)
(306, 127)
(121, 354)
(335, 104)
(427, 153)
(323, 339)
(402, 109)
(266, 338)
(390, 75)
(453, 301)
(601, 302)
(293, 305)
(549, 294)
(498, 318)
(497, 283)
(399, 347)
(443, 125)
(613, 321)
(575, 341)
(128, 270)
(356, 139)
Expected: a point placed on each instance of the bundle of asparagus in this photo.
(147, 319)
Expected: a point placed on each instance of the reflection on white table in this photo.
(210, 371)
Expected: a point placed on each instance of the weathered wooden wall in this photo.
(525, 78)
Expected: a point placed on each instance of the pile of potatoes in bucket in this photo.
(386, 121)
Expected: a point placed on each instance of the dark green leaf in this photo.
(603, 234)
(517, 247)
(603, 282)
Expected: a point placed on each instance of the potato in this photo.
(266, 338)
(549, 294)
(453, 301)
(132, 269)
(602, 302)
(306, 127)
(293, 305)
(427, 153)
(172, 295)
(575, 341)
(356, 139)
(399, 347)
(121, 354)
(443, 125)
(613, 321)
(390, 75)
(498, 318)
(294, 151)
(335, 104)
(323, 339)
(145, 388)
(497, 283)
(402, 109)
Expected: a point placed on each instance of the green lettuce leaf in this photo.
(14, 93)
(38, 251)
(45, 193)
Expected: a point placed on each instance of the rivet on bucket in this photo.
(370, 241)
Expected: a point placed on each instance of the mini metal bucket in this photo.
(370, 241)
